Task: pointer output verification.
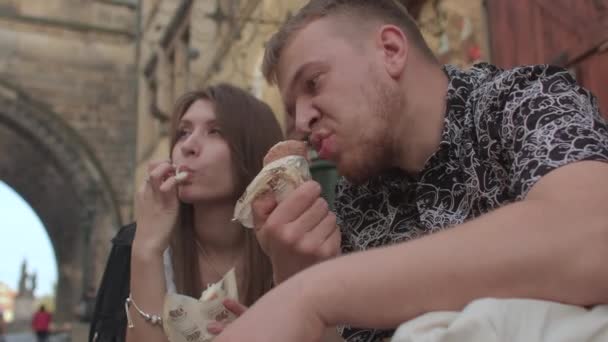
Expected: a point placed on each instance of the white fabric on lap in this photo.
(509, 320)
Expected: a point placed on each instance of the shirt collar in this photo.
(461, 84)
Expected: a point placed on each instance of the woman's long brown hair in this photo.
(250, 129)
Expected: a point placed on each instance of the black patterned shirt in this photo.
(503, 131)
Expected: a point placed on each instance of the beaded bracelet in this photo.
(152, 319)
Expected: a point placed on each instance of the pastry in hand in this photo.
(285, 168)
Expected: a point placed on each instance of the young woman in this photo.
(219, 137)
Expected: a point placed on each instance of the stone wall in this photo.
(78, 58)
(67, 124)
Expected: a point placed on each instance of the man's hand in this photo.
(297, 233)
(283, 314)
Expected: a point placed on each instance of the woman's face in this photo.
(202, 151)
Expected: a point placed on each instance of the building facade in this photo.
(7, 302)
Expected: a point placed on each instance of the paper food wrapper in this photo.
(185, 319)
(279, 177)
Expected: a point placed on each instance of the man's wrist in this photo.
(319, 292)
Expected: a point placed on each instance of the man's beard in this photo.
(374, 150)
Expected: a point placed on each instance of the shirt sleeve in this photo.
(550, 121)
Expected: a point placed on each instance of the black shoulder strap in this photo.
(109, 320)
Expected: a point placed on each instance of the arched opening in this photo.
(29, 261)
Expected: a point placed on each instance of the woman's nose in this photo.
(191, 147)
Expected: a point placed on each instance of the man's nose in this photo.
(306, 117)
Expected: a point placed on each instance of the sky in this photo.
(23, 236)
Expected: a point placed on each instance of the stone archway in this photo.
(50, 166)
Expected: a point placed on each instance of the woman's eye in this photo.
(182, 133)
(215, 131)
(313, 83)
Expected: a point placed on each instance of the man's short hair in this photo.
(387, 11)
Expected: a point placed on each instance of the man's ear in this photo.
(394, 48)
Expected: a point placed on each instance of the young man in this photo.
(507, 169)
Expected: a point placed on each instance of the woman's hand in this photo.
(233, 306)
(157, 207)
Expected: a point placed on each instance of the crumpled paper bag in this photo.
(185, 319)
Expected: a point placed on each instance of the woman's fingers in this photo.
(168, 185)
(161, 173)
(231, 305)
(155, 163)
(215, 328)
(235, 307)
